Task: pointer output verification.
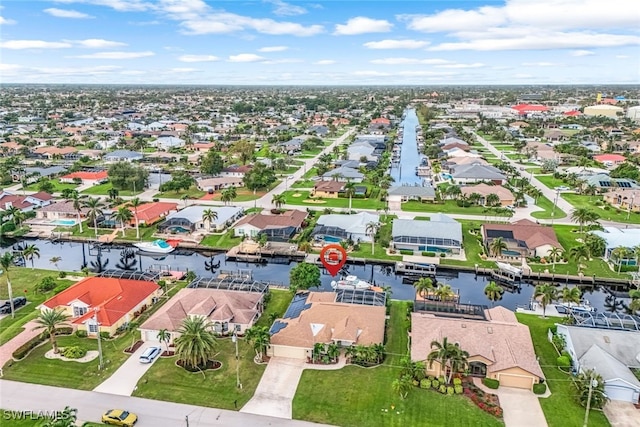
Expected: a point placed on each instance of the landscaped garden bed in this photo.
(212, 365)
(134, 347)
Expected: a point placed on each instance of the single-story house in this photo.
(466, 174)
(334, 228)
(610, 160)
(228, 311)
(24, 203)
(32, 174)
(315, 317)
(524, 238)
(167, 142)
(611, 353)
(441, 234)
(236, 171)
(346, 173)
(113, 301)
(50, 152)
(190, 218)
(218, 183)
(86, 177)
(328, 189)
(150, 213)
(122, 156)
(60, 210)
(499, 347)
(280, 227)
(401, 194)
(604, 182)
(619, 237)
(506, 197)
(624, 198)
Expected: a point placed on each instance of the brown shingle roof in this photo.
(291, 218)
(485, 190)
(534, 235)
(501, 339)
(329, 186)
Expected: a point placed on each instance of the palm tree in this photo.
(579, 253)
(260, 338)
(78, 204)
(492, 200)
(55, 260)
(209, 215)
(371, 229)
(65, 418)
(333, 351)
(196, 343)
(444, 292)
(496, 246)
(49, 320)
(135, 202)
(536, 193)
(547, 293)
(124, 215)
(349, 191)
(164, 336)
(423, 286)
(278, 200)
(571, 295)
(620, 253)
(494, 292)
(441, 353)
(6, 262)
(635, 300)
(584, 216)
(458, 360)
(555, 253)
(94, 211)
(30, 252)
(402, 386)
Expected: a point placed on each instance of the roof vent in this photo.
(463, 325)
(606, 339)
(490, 329)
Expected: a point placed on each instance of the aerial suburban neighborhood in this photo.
(364, 253)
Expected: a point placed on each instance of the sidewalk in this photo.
(7, 349)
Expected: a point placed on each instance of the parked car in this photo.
(562, 188)
(5, 308)
(119, 417)
(150, 354)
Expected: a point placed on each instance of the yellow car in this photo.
(119, 417)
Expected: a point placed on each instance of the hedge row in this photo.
(25, 348)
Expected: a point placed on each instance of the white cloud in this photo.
(9, 68)
(119, 5)
(33, 44)
(77, 71)
(582, 53)
(5, 21)
(523, 76)
(198, 58)
(246, 57)
(133, 72)
(366, 73)
(622, 57)
(396, 44)
(455, 20)
(65, 13)
(282, 61)
(286, 9)
(324, 62)
(98, 43)
(116, 55)
(273, 49)
(409, 61)
(362, 25)
(183, 70)
(540, 64)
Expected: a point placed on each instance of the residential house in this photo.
(334, 228)
(466, 174)
(228, 311)
(524, 238)
(624, 198)
(499, 347)
(319, 130)
(458, 152)
(203, 147)
(32, 174)
(379, 125)
(50, 152)
(219, 183)
(167, 142)
(24, 203)
(122, 156)
(236, 171)
(345, 173)
(459, 161)
(441, 234)
(506, 197)
(615, 237)
(610, 160)
(281, 227)
(86, 177)
(190, 218)
(404, 193)
(603, 182)
(150, 213)
(60, 210)
(611, 353)
(112, 302)
(316, 317)
(328, 189)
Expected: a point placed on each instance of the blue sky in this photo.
(320, 42)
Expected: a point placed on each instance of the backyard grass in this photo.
(611, 214)
(57, 186)
(146, 233)
(472, 248)
(341, 202)
(546, 204)
(379, 253)
(305, 183)
(355, 396)
(103, 190)
(223, 241)
(192, 193)
(24, 279)
(550, 181)
(243, 195)
(560, 409)
(168, 382)
(448, 206)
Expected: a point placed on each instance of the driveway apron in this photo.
(123, 381)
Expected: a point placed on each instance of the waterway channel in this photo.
(404, 173)
(470, 286)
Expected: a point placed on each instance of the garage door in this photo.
(151, 336)
(619, 393)
(292, 352)
(516, 381)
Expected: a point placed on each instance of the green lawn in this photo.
(302, 198)
(355, 396)
(224, 241)
(472, 247)
(547, 205)
(550, 181)
(192, 192)
(611, 214)
(146, 233)
(305, 183)
(103, 190)
(560, 409)
(448, 206)
(168, 382)
(24, 278)
(57, 186)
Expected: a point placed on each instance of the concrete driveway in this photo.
(521, 408)
(622, 414)
(276, 389)
(124, 380)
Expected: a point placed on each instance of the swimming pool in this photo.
(67, 222)
(446, 176)
(331, 239)
(178, 229)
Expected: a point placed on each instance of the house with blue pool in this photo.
(193, 219)
(442, 234)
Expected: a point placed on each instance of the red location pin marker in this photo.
(333, 257)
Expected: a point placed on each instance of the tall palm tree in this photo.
(50, 320)
(260, 338)
(584, 216)
(209, 215)
(458, 360)
(78, 204)
(6, 262)
(278, 200)
(496, 246)
(94, 211)
(555, 253)
(135, 202)
(441, 353)
(578, 254)
(620, 253)
(31, 252)
(494, 292)
(423, 286)
(55, 260)
(444, 292)
(547, 293)
(164, 336)
(571, 295)
(371, 229)
(124, 215)
(349, 191)
(196, 342)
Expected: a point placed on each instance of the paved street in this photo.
(18, 396)
(124, 380)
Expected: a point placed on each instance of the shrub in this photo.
(25, 348)
(406, 252)
(442, 389)
(457, 389)
(457, 381)
(540, 388)
(65, 330)
(435, 384)
(46, 284)
(442, 254)
(105, 335)
(416, 383)
(430, 378)
(491, 383)
(442, 380)
(425, 383)
(156, 200)
(81, 334)
(450, 391)
(563, 362)
(62, 274)
(74, 352)
(61, 288)
(431, 254)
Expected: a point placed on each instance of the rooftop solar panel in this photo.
(277, 327)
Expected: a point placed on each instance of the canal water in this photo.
(405, 172)
(469, 286)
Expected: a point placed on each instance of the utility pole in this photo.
(234, 338)
(592, 383)
(95, 318)
(555, 202)
(630, 206)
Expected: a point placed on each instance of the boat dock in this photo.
(275, 252)
(174, 272)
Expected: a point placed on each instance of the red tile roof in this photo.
(41, 195)
(150, 212)
(115, 298)
(609, 158)
(572, 113)
(525, 108)
(87, 175)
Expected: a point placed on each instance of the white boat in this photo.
(583, 306)
(351, 282)
(158, 246)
